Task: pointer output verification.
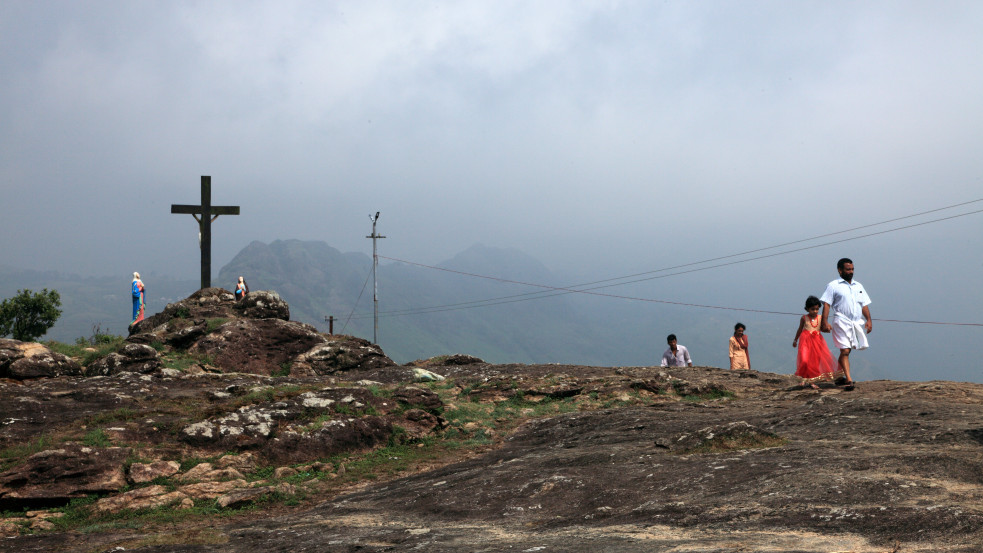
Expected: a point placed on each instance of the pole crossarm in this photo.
(205, 213)
(214, 210)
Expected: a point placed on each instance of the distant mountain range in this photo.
(431, 311)
(472, 304)
(469, 304)
(90, 302)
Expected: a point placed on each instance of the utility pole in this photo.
(375, 284)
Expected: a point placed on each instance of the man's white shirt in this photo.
(846, 299)
(846, 319)
(679, 359)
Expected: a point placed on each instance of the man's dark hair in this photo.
(842, 262)
(739, 325)
(812, 301)
(670, 338)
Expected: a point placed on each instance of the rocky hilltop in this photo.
(221, 426)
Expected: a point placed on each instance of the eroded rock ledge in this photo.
(641, 458)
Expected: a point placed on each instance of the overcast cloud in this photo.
(604, 138)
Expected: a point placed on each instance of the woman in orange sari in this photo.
(739, 358)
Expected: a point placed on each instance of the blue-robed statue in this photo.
(139, 300)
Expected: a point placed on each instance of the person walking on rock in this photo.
(676, 355)
(739, 358)
(850, 323)
(813, 361)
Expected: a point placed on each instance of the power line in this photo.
(579, 288)
(356, 303)
(572, 288)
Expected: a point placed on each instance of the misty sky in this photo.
(603, 138)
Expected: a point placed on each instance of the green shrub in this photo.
(398, 436)
(28, 315)
(284, 369)
(98, 336)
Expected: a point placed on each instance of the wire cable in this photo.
(356, 304)
(580, 288)
(745, 252)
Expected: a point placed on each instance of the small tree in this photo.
(28, 315)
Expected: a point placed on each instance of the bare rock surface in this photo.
(644, 458)
(54, 475)
(27, 360)
(137, 358)
(263, 304)
(891, 466)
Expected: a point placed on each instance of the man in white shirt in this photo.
(851, 320)
(676, 355)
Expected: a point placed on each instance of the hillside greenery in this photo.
(28, 315)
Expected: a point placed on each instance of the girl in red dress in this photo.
(814, 362)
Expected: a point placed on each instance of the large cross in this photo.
(205, 214)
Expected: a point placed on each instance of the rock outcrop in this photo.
(213, 406)
(254, 335)
(135, 358)
(27, 360)
(54, 476)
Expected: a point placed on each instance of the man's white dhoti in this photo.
(849, 334)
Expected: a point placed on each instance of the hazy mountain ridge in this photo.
(318, 280)
(89, 302)
(427, 311)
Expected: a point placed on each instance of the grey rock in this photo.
(29, 360)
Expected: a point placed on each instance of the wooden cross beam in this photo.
(205, 214)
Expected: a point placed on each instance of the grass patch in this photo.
(76, 513)
(118, 415)
(86, 352)
(192, 462)
(271, 394)
(380, 392)
(710, 396)
(317, 423)
(96, 438)
(388, 461)
(284, 369)
(80, 517)
(182, 361)
(213, 324)
(20, 451)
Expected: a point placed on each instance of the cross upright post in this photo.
(205, 214)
